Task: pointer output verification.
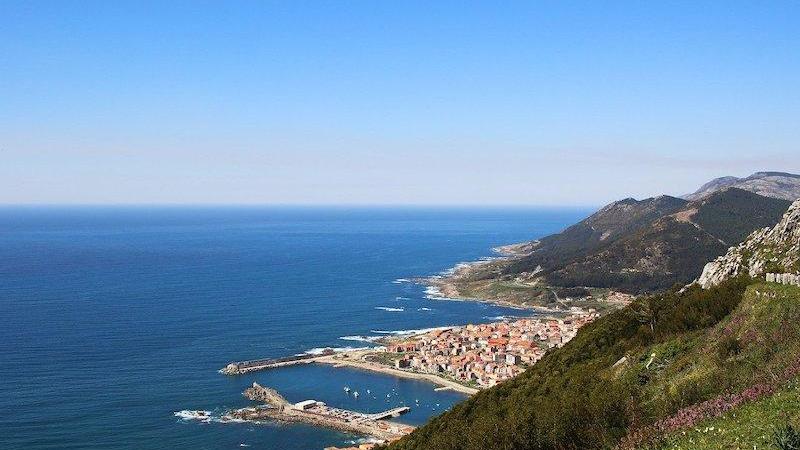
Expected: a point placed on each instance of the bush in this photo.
(786, 438)
(728, 346)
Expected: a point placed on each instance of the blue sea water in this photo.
(114, 318)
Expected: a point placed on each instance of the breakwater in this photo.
(240, 367)
(275, 407)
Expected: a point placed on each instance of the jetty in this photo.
(241, 367)
(275, 407)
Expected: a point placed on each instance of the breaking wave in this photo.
(187, 414)
(433, 293)
(498, 317)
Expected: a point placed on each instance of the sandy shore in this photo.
(355, 360)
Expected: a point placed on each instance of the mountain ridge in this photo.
(629, 246)
(775, 184)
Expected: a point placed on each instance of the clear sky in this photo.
(392, 102)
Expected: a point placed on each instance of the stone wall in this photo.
(784, 278)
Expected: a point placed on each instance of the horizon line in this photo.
(291, 205)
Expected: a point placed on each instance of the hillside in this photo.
(775, 250)
(606, 225)
(652, 370)
(628, 246)
(760, 424)
(671, 249)
(769, 184)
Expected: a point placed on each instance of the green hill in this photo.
(658, 367)
(646, 256)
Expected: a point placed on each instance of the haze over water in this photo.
(115, 318)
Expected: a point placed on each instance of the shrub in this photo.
(786, 438)
(728, 346)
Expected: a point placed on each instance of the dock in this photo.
(253, 365)
(274, 407)
(394, 412)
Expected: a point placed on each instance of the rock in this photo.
(767, 248)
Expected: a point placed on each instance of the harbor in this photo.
(274, 406)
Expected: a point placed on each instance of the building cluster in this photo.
(487, 354)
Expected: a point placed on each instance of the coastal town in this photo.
(484, 355)
(461, 358)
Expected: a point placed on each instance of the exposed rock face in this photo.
(769, 184)
(773, 250)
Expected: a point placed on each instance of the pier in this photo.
(395, 412)
(241, 367)
(275, 407)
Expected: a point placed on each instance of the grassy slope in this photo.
(679, 349)
(748, 427)
(767, 325)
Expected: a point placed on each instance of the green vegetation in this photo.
(769, 423)
(732, 217)
(632, 369)
(534, 294)
(647, 246)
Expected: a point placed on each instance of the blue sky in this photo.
(365, 102)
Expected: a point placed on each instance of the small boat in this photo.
(355, 394)
(347, 389)
(368, 392)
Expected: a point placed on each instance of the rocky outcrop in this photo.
(258, 393)
(773, 250)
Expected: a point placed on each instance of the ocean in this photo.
(115, 318)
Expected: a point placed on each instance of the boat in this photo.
(347, 389)
(355, 394)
